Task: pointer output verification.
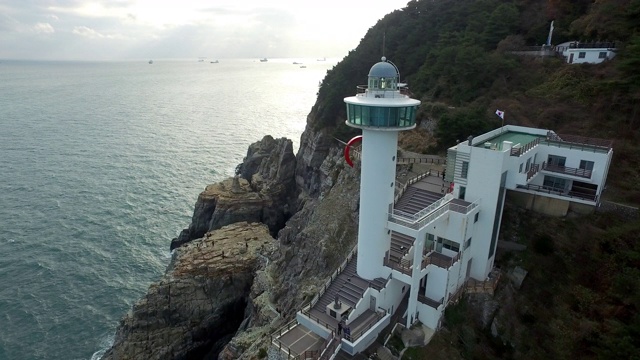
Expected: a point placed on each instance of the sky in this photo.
(182, 29)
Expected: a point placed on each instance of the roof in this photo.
(383, 69)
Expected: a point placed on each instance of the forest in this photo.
(581, 297)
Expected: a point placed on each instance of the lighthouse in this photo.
(381, 109)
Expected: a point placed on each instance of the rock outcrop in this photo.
(199, 303)
(261, 195)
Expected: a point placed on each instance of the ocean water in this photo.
(100, 166)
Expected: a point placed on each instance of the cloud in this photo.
(43, 28)
(90, 33)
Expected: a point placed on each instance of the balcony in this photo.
(439, 260)
(402, 265)
(430, 302)
(560, 192)
(567, 170)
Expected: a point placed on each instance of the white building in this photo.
(587, 53)
(417, 251)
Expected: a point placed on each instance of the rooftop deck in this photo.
(496, 143)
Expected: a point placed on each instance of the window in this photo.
(582, 54)
(465, 169)
(475, 218)
(602, 55)
(520, 171)
(467, 243)
(586, 165)
(450, 245)
(462, 193)
(528, 165)
(553, 183)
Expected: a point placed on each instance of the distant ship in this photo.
(263, 60)
(150, 61)
(214, 62)
(323, 59)
(303, 67)
(296, 63)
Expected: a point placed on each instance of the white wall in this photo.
(592, 56)
(429, 316)
(377, 186)
(361, 306)
(391, 295)
(436, 282)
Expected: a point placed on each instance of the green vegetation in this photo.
(453, 54)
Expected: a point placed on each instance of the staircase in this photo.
(400, 245)
(415, 199)
(348, 286)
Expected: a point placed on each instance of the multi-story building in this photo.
(417, 249)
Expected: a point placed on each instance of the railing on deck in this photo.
(567, 170)
(410, 182)
(431, 259)
(430, 213)
(421, 160)
(355, 336)
(519, 151)
(403, 265)
(532, 171)
(330, 281)
(560, 192)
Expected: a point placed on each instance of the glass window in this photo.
(463, 191)
(586, 165)
(555, 184)
(465, 169)
(528, 165)
(520, 171)
(467, 243)
(475, 219)
(450, 245)
(602, 55)
(582, 54)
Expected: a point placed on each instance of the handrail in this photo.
(519, 151)
(358, 335)
(434, 214)
(559, 192)
(567, 170)
(410, 182)
(332, 278)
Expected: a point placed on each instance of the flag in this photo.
(500, 113)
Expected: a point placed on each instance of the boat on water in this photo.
(150, 61)
(296, 63)
(323, 59)
(214, 62)
(303, 67)
(263, 60)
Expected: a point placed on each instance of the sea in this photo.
(100, 167)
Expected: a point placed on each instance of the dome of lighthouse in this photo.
(383, 69)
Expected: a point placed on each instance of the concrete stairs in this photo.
(415, 199)
(348, 286)
(400, 245)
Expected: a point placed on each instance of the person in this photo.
(443, 173)
(340, 328)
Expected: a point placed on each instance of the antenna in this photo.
(384, 38)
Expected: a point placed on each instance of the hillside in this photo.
(452, 54)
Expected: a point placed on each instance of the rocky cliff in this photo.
(206, 302)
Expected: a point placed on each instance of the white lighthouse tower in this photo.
(381, 111)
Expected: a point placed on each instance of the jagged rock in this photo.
(198, 304)
(262, 194)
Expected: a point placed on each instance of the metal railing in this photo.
(402, 265)
(519, 151)
(533, 171)
(354, 337)
(410, 222)
(410, 182)
(398, 92)
(333, 276)
(567, 170)
(560, 192)
(422, 160)
(442, 263)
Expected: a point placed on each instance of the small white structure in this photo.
(587, 53)
(415, 254)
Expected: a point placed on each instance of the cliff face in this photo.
(261, 195)
(199, 302)
(207, 304)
